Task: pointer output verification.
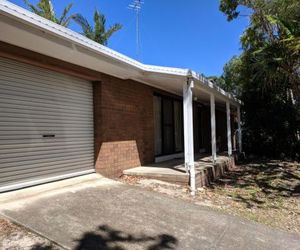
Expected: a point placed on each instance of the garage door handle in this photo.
(48, 136)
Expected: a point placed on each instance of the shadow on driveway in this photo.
(114, 216)
(107, 238)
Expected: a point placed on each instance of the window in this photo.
(168, 119)
(178, 124)
(157, 125)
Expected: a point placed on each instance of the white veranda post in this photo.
(229, 143)
(239, 128)
(188, 132)
(213, 127)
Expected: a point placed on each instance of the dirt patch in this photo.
(14, 237)
(267, 192)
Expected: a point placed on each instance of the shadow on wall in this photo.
(108, 238)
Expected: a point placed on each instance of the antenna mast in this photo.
(136, 5)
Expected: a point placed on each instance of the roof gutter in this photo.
(20, 14)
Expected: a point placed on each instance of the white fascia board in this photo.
(25, 16)
(213, 88)
(7, 8)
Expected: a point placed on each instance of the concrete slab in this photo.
(18, 197)
(112, 215)
(153, 170)
(174, 170)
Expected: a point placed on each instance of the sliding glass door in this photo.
(178, 126)
(158, 125)
(167, 126)
(168, 123)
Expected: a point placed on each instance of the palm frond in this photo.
(64, 20)
(47, 10)
(32, 8)
(44, 8)
(99, 26)
(51, 8)
(67, 21)
(114, 28)
(84, 24)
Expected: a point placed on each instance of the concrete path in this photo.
(97, 213)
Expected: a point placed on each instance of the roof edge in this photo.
(8, 8)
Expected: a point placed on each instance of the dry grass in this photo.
(266, 192)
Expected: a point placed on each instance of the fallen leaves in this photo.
(266, 192)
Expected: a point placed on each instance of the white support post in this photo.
(239, 129)
(229, 143)
(213, 127)
(188, 133)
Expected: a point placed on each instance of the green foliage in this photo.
(44, 8)
(230, 7)
(266, 76)
(219, 81)
(272, 38)
(231, 77)
(270, 121)
(98, 33)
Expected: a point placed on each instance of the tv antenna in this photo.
(136, 5)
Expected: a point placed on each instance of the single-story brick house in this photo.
(69, 106)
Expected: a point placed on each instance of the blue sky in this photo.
(187, 34)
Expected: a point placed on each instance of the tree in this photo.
(230, 80)
(97, 32)
(219, 81)
(44, 8)
(267, 74)
(272, 39)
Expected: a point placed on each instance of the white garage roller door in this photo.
(46, 125)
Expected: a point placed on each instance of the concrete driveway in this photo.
(96, 213)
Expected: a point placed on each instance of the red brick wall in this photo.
(124, 127)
